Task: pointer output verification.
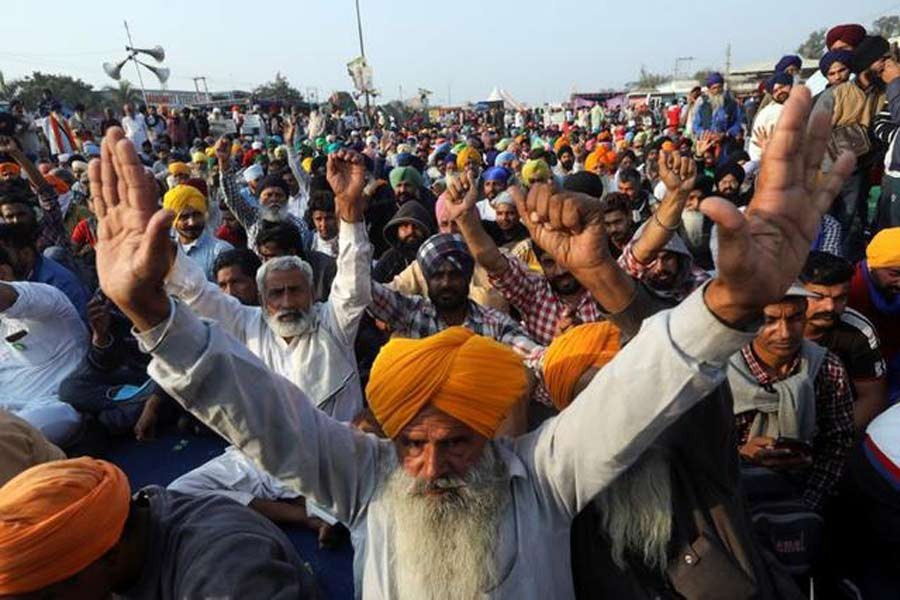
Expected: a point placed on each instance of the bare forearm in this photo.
(482, 247)
(8, 296)
(31, 171)
(660, 228)
(612, 287)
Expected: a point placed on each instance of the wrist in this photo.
(148, 310)
(727, 308)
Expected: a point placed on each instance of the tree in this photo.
(123, 94)
(814, 44)
(649, 80)
(886, 26)
(278, 90)
(702, 74)
(68, 90)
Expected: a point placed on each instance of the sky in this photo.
(538, 51)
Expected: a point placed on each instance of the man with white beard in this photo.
(441, 399)
(310, 344)
(272, 206)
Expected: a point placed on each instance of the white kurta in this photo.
(677, 359)
(765, 121)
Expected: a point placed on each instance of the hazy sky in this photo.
(537, 50)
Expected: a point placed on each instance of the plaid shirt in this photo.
(540, 307)
(247, 213)
(834, 422)
(51, 232)
(639, 271)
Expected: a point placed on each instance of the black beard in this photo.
(448, 303)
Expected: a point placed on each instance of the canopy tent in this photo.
(501, 95)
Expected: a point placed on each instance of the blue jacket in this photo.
(727, 119)
(49, 271)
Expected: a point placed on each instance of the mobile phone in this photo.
(794, 445)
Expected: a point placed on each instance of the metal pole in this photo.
(362, 51)
(136, 66)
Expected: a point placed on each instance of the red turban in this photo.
(851, 34)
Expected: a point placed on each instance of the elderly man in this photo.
(190, 207)
(71, 529)
(717, 111)
(446, 510)
(272, 198)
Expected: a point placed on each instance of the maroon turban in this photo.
(851, 34)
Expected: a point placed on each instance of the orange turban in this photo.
(179, 168)
(56, 519)
(10, 169)
(469, 377)
(883, 252)
(58, 185)
(574, 352)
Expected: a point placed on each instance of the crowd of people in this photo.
(647, 353)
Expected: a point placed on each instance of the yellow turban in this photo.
(466, 156)
(469, 377)
(592, 161)
(56, 519)
(307, 164)
(536, 170)
(182, 196)
(179, 168)
(574, 352)
(199, 158)
(883, 251)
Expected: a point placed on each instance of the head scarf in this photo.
(56, 519)
(440, 208)
(504, 158)
(535, 169)
(788, 60)
(779, 78)
(500, 174)
(468, 155)
(179, 168)
(850, 33)
(883, 252)
(870, 49)
(471, 378)
(253, 172)
(845, 57)
(10, 168)
(59, 186)
(270, 181)
(407, 174)
(574, 352)
(184, 196)
(714, 79)
(503, 197)
(445, 247)
(22, 446)
(199, 158)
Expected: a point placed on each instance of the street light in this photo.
(157, 52)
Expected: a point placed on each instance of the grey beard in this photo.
(290, 328)
(273, 215)
(716, 102)
(444, 546)
(636, 512)
(692, 221)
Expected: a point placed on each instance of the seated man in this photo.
(27, 264)
(845, 332)
(43, 340)
(235, 274)
(283, 239)
(788, 388)
(441, 481)
(70, 528)
(875, 292)
(190, 206)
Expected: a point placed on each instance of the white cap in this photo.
(252, 173)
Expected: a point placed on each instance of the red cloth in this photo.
(851, 34)
(82, 234)
(888, 327)
(673, 116)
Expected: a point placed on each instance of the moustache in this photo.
(824, 316)
(290, 316)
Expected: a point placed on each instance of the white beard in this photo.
(273, 215)
(290, 327)
(693, 227)
(443, 547)
(636, 512)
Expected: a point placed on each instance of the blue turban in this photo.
(779, 78)
(504, 158)
(789, 60)
(845, 57)
(404, 159)
(500, 174)
(445, 247)
(714, 78)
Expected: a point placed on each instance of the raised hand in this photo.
(567, 225)
(462, 192)
(346, 173)
(707, 140)
(133, 247)
(677, 172)
(289, 128)
(761, 252)
(223, 153)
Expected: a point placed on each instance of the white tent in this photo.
(501, 95)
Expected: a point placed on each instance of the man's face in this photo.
(190, 223)
(273, 198)
(728, 186)
(17, 213)
(409, 234)
(782, 331)
(825, 312)
(837, 73)
(507, 216)
(628, 188)
(715, 89)
(841, 45)
(693, 200)
(293, 186)
(663, 272)
(8, 176)
(180, 178)
(446, 225)
(780, 92)
(435, 445)
(567, 159)
(405, 191)
(128, 110)
(887, 280)
(448, 288)
(287, 294)
(326, 224)
(618, 227)
(626, 163)
(233, 281)
(270, 250)
(792, 70)
(561, 281)
(709, 159)
(493, 188)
